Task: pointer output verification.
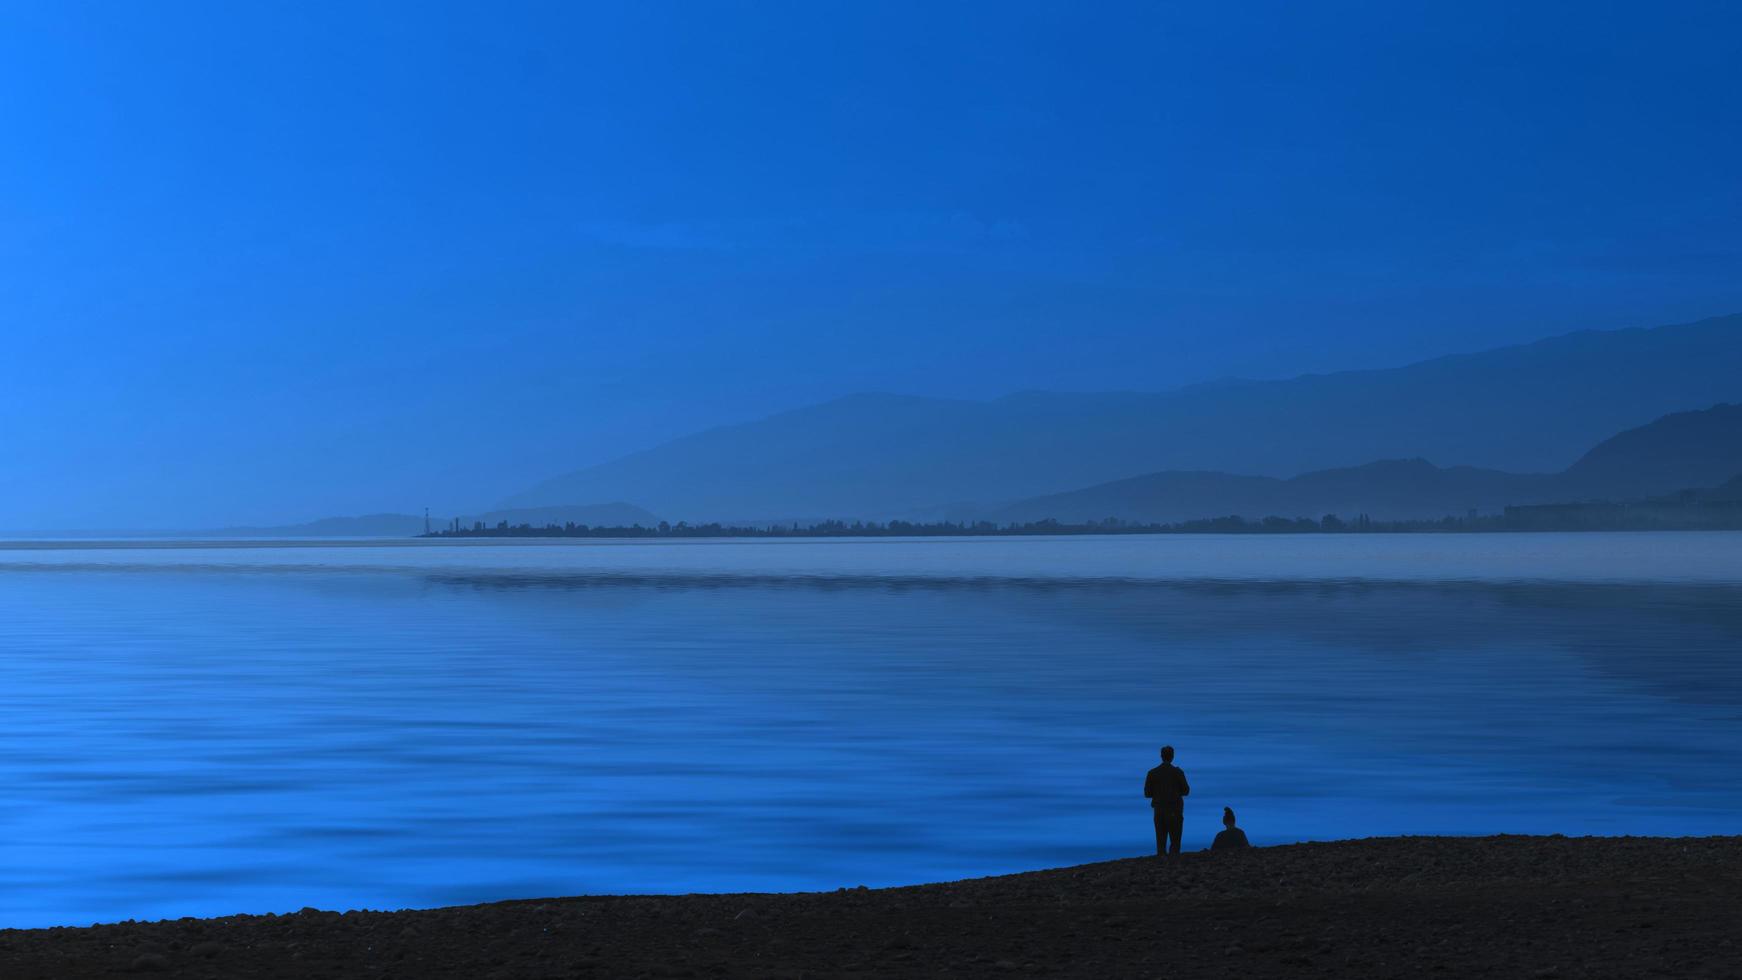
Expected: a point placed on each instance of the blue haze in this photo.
(205, 730)
(262, 264)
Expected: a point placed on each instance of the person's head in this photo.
(1167, 753)
(1227, 816)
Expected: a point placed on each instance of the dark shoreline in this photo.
(1545, 907)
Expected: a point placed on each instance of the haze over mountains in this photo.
(1697, 449)
(1593, 415)
(1679, 451)
(1528, 409)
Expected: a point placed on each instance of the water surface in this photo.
(192, 730)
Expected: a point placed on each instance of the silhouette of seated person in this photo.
(1231, 837)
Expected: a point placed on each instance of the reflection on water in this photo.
(412, 728)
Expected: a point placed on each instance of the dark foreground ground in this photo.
(1400, 907)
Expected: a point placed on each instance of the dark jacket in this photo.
(1232, 837)
(1166, 787)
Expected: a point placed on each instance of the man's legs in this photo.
(1169, 823)
(1160, 831)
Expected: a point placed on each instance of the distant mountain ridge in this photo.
(1687, 449)
(1521, 409)
(1699, 449)
(1684, 451)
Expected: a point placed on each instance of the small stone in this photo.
(207, 949)
(149, 963)
(745, 914)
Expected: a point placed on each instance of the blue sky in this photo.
(264, 262)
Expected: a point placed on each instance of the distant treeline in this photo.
(1552, 517)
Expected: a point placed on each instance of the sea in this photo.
(206, 728)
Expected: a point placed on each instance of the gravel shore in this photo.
(1537, 907)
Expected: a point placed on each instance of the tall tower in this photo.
(426, 522)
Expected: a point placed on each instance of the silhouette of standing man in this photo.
(1167, 789)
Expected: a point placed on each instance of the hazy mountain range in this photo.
(1528, 409)
(1678, 451)
(1513, 425)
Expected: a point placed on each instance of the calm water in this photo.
(201, 730)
